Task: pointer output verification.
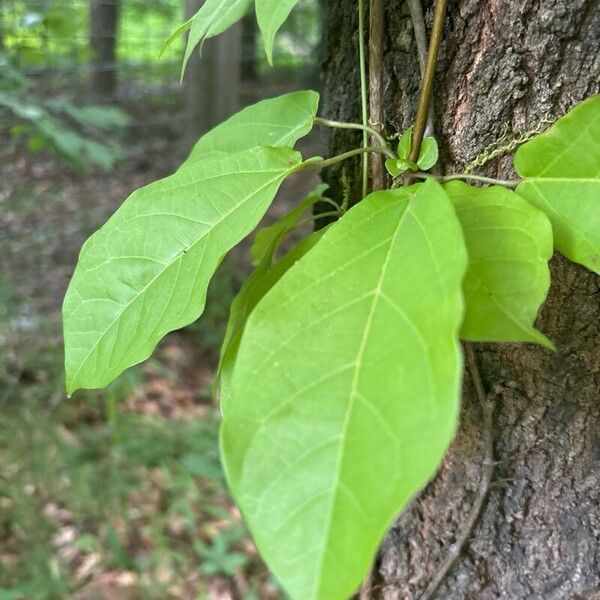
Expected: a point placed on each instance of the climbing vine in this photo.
(341, 369)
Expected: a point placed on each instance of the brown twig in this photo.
(418, 22)
(487, 469)
(375, 84)
(428, 79)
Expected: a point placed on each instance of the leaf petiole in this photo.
(358, 126)
(327, 162)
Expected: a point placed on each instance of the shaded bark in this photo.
(538, 536)
(104, 19)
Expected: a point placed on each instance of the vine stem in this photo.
(376, 18)
(327, 162)
(509, 183)
(487, 409)
(428, 79)
(344, 125)
(363, 93)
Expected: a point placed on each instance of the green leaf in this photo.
(36, 144)
(561, 168)
(107, 118)
(405, 143)
(214, 17)
(271, 15)
(398, 166)
(280, 121)
(345, 393)
(179, 31)
(145, 272)
(266, 237)
(428, 155)
(262, 279)
(509, 243)
(391, 164)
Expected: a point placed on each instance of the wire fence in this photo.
(109, 52)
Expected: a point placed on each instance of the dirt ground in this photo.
(118, 493)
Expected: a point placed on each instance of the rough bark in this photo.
(538, 536)
(104, 18)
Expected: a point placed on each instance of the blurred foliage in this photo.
(123, 483)
(87, 481)
(56, 33)
(44, 33)
(40, 32)
(82, 136)
(298, 40)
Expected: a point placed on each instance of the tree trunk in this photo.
(104, 18)
(538, 534)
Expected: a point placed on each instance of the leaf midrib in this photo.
(353, 392)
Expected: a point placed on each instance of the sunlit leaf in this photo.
(280, 121)
(145, 272)
(561, 168)
(509, 243)
(346, 388)
(271, 15)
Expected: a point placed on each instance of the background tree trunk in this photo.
(104, 19)
(538, 536)
(249, 45)
(212, 79)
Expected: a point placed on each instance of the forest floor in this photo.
(114, 494)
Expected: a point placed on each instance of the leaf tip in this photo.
(546, 342)
(70, 389)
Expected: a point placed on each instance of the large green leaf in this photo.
(280, 121)
(145, 272)
(271, 15)
(262, 279)
(509, 243)
(345, 392)
(561, 168)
